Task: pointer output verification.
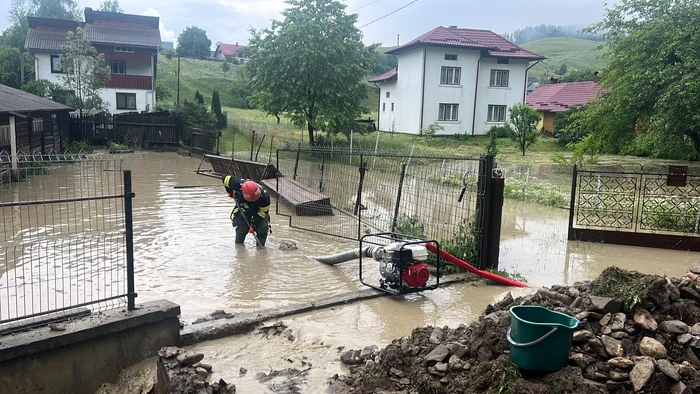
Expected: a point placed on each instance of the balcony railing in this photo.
(129, 82)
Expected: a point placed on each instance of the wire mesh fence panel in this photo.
(63, 242)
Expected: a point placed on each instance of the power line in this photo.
(361, 7)
(392, 12)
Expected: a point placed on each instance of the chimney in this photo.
(596, 78)
(553, 80)
(236, 42)
(397, 40)
(453, 27)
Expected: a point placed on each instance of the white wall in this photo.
(387, 116)
(143, 97)
(137, 68)
(408, 91)
(42, 68)
(507, 96)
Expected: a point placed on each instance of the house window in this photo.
(383, 107)
(126, 100)
(392, 107)
(388, 94)
(56, 64)
(450, 57)
(499, 78)
(497, 114)
(448, 112)
(37, 125)
(124, 49)
(450, 75)
(118, 67)
(502, 60)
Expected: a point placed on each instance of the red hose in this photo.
(484, 274)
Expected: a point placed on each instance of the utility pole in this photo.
(21, 67)
(397, 39)
(178, 79)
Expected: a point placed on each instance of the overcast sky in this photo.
(229, 20)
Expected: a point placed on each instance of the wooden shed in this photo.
(29, 123)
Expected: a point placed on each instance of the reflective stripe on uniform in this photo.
(227, 180)
(262, 211)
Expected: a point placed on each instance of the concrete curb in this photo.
(247, 322)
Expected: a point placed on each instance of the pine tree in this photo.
(198, 97)
(215, 103)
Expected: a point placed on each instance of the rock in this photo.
(202, 372)
(695, 268)
(621, 363)
(467, 366)
(602, 366)
(438, 355)
(206, 367)
(668, 369)
(605, 304)
(445, 380)
(441, 367)
(457, 349)
(645, 320)
(679, 388)
(628, 347)
(455, 363)
(351, 357)
(581, 360)
(583, 336)
(593, 374)
(612, 346)
(642, 371)
(618, 376)
(368, 351)
(57, 326)
(619, 335)
(687, 371)
(684, 338)
(435, 372)
(692, 358)
(484, 354)
(397, 372)
(404, 381)
(606, 330)
(618, 322)
(606, 319)
(674, 327)
(588, 315)
(437, 336)
(577, 303)
(169, 352)
(242, 372)
(598, 347)
(652, 348)
(405, 348)
(695, 342)
(186, 359)
(616, 386)
(695, 329)
(554, 295)
(690, 293)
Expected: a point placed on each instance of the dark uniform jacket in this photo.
(255, 211)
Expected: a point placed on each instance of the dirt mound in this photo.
(636, 332)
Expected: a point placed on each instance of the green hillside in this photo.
(201, 75)
(576, 53)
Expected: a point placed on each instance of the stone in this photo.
(187, 359)
(57, 326)
(619, 335)
(445, 380)
(687, 371)
(581, 360)
(588, 315)
(457, 349)
(690, 293)
(593, 374)
(684, 338)
(202, 373)
(606, 330)
(455, 363)
(652, 348)
(695, 268)
(397, 372)
(555, 295)
(631, 330)
(695, 342)
(668, 369)
(618, 376)
(368, 351)
(404, 381)
(645, 320)
(405, 348)
(583, 336)
(616, 386)
(679, 388)
(169, 352)
(435, 372)
(621, 363)
(484, 354)
(606, 319)
(438, 355)
(692, 358)
(467, 366)
(628, 346)
(577, 303)
(242, 372)
(437, 336)
(598, 347)
(695, 329)
(207, 367)
(605, 304)
(618, 321)
(370, 364)
(641, 373)
(441, 367)
(674, 327)
(602, 366)
(612, 346)
(351, 357)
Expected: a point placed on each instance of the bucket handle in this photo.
(533, 343)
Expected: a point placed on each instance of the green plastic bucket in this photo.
(540, 339)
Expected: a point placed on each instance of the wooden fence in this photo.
(204, 140)
(152, 128)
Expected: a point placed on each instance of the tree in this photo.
(651, 73)
(9, 66)
(215, 103)
(111, 6)
(193, 42)
(85, 72)
(523, 125)
(198, 97)
(48, 90)
(586, 74)
(55, 9)
(562, 70)
(225, 67)
(311, 65)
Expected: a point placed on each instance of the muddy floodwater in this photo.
(184, 252)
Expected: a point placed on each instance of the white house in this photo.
(130, 44)
(464, 79)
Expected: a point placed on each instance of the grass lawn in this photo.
(201, 75)
(576, 53)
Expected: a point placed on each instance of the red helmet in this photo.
(251, 191)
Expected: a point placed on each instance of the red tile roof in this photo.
(559, 97)
(389, 75)
(229, 49)
(470, 38)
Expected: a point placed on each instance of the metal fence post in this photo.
(129, 227)
(358, 200)
(494, 218)
(296, 163)
(572, 204)
(398, 198)
(252, 145)
(485, 173)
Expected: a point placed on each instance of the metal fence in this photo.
(660, 208)
(67, 243)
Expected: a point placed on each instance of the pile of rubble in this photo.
(181, 372)
(637, 333)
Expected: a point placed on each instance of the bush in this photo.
(79, 147)
(170, 53)
(492, 147)
(661, 145)
(432, 130)
(670, 215)
(192, 112)
(463, 243)
(410, 225)
(562, 122)
(500, 131)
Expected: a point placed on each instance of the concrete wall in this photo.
(90, 352)
(408, 91)
(508, 96)
(386, 114)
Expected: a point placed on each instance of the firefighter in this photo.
(255, 204)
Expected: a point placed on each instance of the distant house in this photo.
(167, 46)
(532, 84)
(231, 52)
(464, 79)
(29, 123)
(553, 98)
(130, 44)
